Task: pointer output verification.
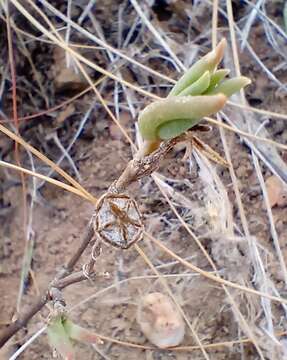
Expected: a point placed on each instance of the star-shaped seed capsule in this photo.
(117, 220)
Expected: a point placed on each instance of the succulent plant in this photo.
(200, 92)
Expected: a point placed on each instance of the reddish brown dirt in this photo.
(100, 154)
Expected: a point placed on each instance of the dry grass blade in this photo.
(115, 51)
(89, 80)
(236, 309)
(157, 35)
(49, 180)
(241, 320)
(255, 317)
(26, 265)
(251, 243)
(214, 277)
(27, 343)
(246, 134)
(213, 346)
(62, 104)
(76, 55)
(165, 285)
(124, 82)
(47, 161)
(102, 43)
(166, 78)
(272, 114)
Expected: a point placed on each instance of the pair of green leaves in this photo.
(200, 92)
(62, 333)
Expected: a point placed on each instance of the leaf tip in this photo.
(218, 52)
(221, 98)
(245, 81)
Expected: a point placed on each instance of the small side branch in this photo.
(61, 280)
(136, 169)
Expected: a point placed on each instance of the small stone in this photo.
(160, 321)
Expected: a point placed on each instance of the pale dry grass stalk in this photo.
(28, 243)
(47, 161)
(263, 279)
(222, 233)
(130, 59)
(45, 178)
(244, 325)
(79, 190)
(92, 65)
(157, 35)
(171, 295)
(114, 77)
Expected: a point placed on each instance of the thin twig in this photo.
(135, 170)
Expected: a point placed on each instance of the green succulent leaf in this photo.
(216, 79)
(208, 63)
(59, 338)
(230, 86)
(175, 127)
(173, 108)
(200, 92)
(198, 87)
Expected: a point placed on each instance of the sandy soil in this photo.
(100, 154)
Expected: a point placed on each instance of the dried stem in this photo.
(136, 169)
(142, 166)
(85, 242)
(60, 281)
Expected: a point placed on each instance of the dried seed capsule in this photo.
(117, 220)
